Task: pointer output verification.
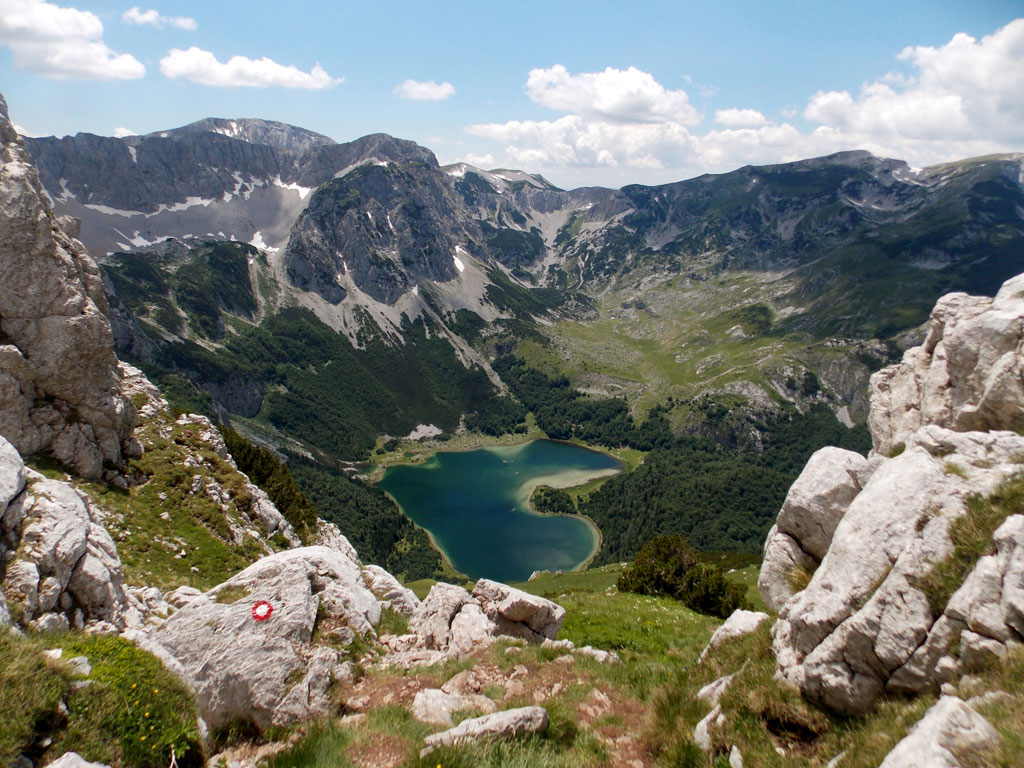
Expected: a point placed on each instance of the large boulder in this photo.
(863, 626)
(59, 379)
(452, 623)
(815, 504)
(519, 613)
(273, 671)
(63, 568)
(949, 731)
(390, 591)
(967, 376)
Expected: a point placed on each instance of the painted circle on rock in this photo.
(261, 610)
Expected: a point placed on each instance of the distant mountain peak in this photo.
(268, 133)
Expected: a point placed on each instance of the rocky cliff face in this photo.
(59, 382)
(876, 617)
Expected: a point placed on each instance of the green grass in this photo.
(131, 712)
(971, 535)
(155, 522)
(323, 746)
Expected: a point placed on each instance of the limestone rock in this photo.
(388, 589)
(949, 730)
(471, 629)
(434, 706)
(64, 569)
(432, 620)
(808, 518)
(783, 557)
(12, 474)
(74, 760)
(738, 624)
(861, 626)
(968, 374)
(52, 322)
(500, 725)
(702, 732)
(270, 672)
(539, 618)
(713, 691)
(263, 509)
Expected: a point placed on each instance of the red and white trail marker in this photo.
(261, 611)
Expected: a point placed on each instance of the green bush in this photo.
(667, 565)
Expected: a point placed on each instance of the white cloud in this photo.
(427, 90)
(199, 66)
(22, 131)
(120, 132)
(139, 17)
(616, 95)
(961, 99)
(480, 161)
(740, 118)
(59, 42)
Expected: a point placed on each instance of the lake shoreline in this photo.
(567, 479)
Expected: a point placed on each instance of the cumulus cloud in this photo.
(615, 95)
(427, 90)
(740, 118)
(961, 99)
(152, 18)
(479, 161)
(199, 66)
(60, 42)
(120, 132)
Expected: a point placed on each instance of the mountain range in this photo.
(733, 286)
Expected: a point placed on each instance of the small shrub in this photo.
(897, 450)
(667, 565)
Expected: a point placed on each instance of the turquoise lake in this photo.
(475, 506)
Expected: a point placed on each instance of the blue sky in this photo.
(585, 93)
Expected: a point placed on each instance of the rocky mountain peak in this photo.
(59, 381)
(268, 133)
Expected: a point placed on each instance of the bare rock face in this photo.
(62, 568)
(863, 626)
(271, 671)
(949, 730)
(59, 384)
(968, 374)
(815, 504)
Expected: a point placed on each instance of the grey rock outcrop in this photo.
(864, 626)
(451, 622)
(53, 322)
(389, 590)
(814, 505)
(271, 672)
(62, 568)
(949, 730)
(500, 725)
(968, 374)
(519, 613)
